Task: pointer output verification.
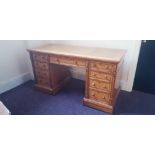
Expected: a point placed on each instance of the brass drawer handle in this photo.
(104, 98)
(94, 74)
(93, 94)
(93, 84)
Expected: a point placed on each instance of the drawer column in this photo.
(100, 85)
(41, 68)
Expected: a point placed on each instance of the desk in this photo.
(103, 71)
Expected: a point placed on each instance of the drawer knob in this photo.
(107, 77)
(93, 94)
(93, 84)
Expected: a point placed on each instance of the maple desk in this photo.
(103, 70)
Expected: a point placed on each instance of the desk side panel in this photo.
(41, 70)
(59, 75)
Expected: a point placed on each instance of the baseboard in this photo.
(14, 82)
(124, 86)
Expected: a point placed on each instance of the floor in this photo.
(24, 100)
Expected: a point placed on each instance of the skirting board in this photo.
(14, 82)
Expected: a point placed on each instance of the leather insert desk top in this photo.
(105, 54)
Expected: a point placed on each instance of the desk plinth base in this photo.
(96, 105)
(43, 89)
(54, 90)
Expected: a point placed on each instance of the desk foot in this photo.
(99, 106)
(44, 89)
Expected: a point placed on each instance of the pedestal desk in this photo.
(103, 71)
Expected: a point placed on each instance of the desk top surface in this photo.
(106, 54)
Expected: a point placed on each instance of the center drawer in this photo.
(65, 60)
(68, 61)
(100, 85)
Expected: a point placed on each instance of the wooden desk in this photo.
(103, 71)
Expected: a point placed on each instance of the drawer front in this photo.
(54, 59)
(40, 57)
(102, 76)
(62, 60)
(100, 85)
(103, 67)
(68, 61)
(43, 81)
(42, 73)
(99, 96)
(81, 63)
(41, 65)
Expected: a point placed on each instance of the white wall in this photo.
(132, 47)
(15, 63)
(35, 43)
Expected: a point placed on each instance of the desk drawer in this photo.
(81, 63)
(99, 96)
(103, 67)
(100, 85)
(41, 65)
(62, 60)
(40, 57)
(68, 61)
(42, 73)
(101, 76)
